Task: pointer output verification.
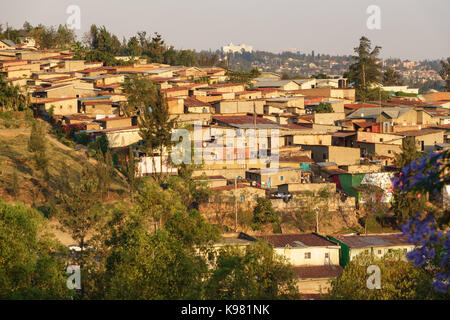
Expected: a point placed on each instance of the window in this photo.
(327, 255)
(307, 255)
(379, 251)
(381, 139)
(389, 250)
(281, 178)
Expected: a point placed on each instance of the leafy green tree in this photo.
(32, 262)
(80, 212)
(407, 204)
(374, 209)
(12, 98)
(400, 280)
(243, 77)
(192, 229)
(156, 204)
(155, 121)
(392, 78)
(265, 213)
(139, 264)
(253, 273)
(365, 71)
(324, 107)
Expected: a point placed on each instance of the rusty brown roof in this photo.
(318, 272)
(296, 240)
(373, 240)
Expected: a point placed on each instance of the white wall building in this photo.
(231, 48)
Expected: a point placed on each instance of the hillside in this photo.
(14, 157)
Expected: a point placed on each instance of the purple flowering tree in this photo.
(427, 230)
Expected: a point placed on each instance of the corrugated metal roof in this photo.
(293, 240)
(378, 240)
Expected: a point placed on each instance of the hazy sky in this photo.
(410, 29)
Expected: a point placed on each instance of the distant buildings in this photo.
(231, 48)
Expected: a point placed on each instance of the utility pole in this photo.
(317, 220)
(235, 205)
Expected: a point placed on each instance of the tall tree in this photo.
(365, 71)
(79, 210)
(37, 144)
(407, 204)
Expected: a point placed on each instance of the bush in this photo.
(82, 138)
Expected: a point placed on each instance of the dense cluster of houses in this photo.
(304, 150)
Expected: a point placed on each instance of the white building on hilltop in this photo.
(232, 48)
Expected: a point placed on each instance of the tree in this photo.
(407, 204)
(156, 204)
(324, 107)
(15, 184)
(285, 76)
(400, 280)
(392, 78)
(32, 262)
(264, 213)
(131, 173)
(155, 121)
(445, 73)
(139, 264)
(374, 208)
(256, 272)
(428, 231)
(105, 171)
(37, 144)
(243, 77)
(79, 210)
(365, 71)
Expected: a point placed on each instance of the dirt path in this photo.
(15, 132)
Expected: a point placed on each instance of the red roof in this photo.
(231, 187)
(193, 102)
(365, 124)
(318, 272)
(295, 126)
(356, 106)
(102, 101)
(242, 120)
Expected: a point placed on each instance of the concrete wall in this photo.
(239, 106)
(338, 155)
(303, 187)
(328, 118)
(296, 256)
(312, 139)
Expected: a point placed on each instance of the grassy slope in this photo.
(14, 156)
